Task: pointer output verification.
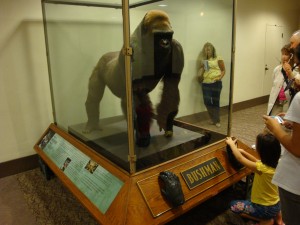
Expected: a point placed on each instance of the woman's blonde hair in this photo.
(203, 56)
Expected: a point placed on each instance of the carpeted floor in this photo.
(45, 202)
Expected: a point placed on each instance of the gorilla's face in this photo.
(162, 42)
(156, 26)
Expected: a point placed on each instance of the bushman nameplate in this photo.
(203, 172)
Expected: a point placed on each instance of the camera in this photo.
(278, 118)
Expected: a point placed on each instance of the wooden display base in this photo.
(203, 173)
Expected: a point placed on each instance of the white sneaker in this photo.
(218, 125)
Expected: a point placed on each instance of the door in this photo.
(273, 45)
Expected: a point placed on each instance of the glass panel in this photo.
(158, 74)
(78, 36)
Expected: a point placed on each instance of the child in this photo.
(264, 205)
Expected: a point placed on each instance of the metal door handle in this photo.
(266, 67)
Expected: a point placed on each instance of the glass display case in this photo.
(126, 84)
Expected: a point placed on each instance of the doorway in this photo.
(273, 45)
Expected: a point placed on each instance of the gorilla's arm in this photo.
(170, 95)
(169, 100)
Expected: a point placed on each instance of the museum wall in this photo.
(25, 105)
(252, 17)
(24, 86)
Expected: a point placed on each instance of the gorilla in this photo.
(156, 57)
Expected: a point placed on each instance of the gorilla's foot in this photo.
(168, 133)
(89, 128)
(143, 141)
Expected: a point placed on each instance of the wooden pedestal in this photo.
(139, 200)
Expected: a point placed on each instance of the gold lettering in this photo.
(217, 165)
(199, 174)
(190, 178)
(208, 170)
(203, 172)
(195, 175)
(213, 168)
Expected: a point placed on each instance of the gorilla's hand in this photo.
(171, 188)
(168, 106)
(162, 123)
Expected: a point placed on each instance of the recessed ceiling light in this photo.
(202, 14)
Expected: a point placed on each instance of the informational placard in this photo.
(99, 185)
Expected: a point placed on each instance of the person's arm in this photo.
(248, 155)
(291, 141)
(222, 68)
(240, 157)
(200, 73)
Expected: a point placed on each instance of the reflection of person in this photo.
(296, 83)
(293, 71)
(287, 172)
(212, 69)
(279, 97)
(295, 39)
(264, 205)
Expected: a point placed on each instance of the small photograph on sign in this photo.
(46, 139)
(91, 166)
(66, 163)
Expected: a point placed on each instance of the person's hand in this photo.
(200, 78)
(218, 78)
(297, 80)
(288, 69)
(282, 114)
(287, 124)
(271, 123)
(230, 141)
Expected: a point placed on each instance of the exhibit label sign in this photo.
(99, 185)
(202, 172)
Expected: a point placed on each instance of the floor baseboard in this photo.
(18, 165)
(250, 103)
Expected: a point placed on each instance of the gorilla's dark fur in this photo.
(156, 56)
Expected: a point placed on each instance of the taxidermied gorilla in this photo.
(156, 56)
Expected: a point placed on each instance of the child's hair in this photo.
(268, 148)
(286, 50)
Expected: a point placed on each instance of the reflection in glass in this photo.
(211, 71)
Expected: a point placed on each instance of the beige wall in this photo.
(252, 17)
(25, 110)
